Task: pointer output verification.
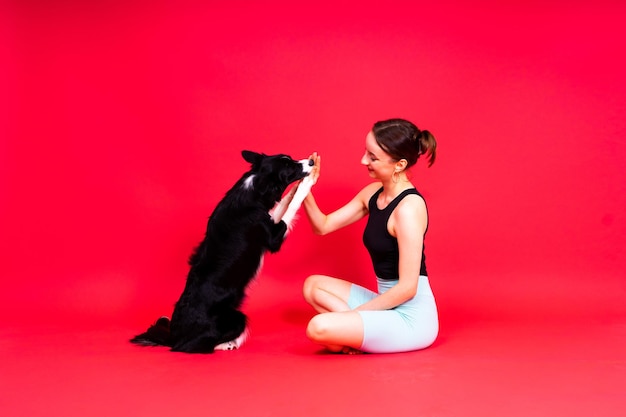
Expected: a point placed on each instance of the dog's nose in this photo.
(311, 162)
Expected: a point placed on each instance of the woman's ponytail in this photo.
(427, 145)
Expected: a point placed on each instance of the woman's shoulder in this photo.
(412, 203)
(410, 215)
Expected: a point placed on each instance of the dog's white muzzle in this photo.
(307, 165)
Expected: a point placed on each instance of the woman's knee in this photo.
(336, 329)
(310, 286)
(318, 329)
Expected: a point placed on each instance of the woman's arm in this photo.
(408, 224)
(355, 210)
(326, 223)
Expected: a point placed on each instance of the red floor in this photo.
(515, 365)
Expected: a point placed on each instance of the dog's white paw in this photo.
(234, 344)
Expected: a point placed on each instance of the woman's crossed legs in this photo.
(336, 327)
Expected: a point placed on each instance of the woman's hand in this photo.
(315, 172)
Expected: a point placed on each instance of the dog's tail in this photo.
(157, 335)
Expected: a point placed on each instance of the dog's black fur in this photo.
(239, 231)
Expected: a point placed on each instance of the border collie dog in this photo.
(250, 220)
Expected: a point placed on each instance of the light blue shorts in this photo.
(410, 326)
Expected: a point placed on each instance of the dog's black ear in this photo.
(252, 157)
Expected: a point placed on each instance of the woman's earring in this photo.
(394, 178)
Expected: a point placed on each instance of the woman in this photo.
(402, 315)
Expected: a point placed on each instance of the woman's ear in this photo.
(401, 165)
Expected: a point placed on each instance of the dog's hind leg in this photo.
(232, 326)
(226, 331)
(234, 344)
(201, 343)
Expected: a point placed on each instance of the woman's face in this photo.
(379, 164)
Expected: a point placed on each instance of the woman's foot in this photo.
(351, 351)
(347, 350)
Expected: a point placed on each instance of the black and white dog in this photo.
(250, 220)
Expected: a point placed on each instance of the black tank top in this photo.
(382, 247)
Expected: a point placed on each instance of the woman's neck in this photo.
(392, 189)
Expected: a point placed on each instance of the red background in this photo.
(122, 125)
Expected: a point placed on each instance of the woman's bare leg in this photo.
(327, 294)
(336, 327)
(338, 332)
